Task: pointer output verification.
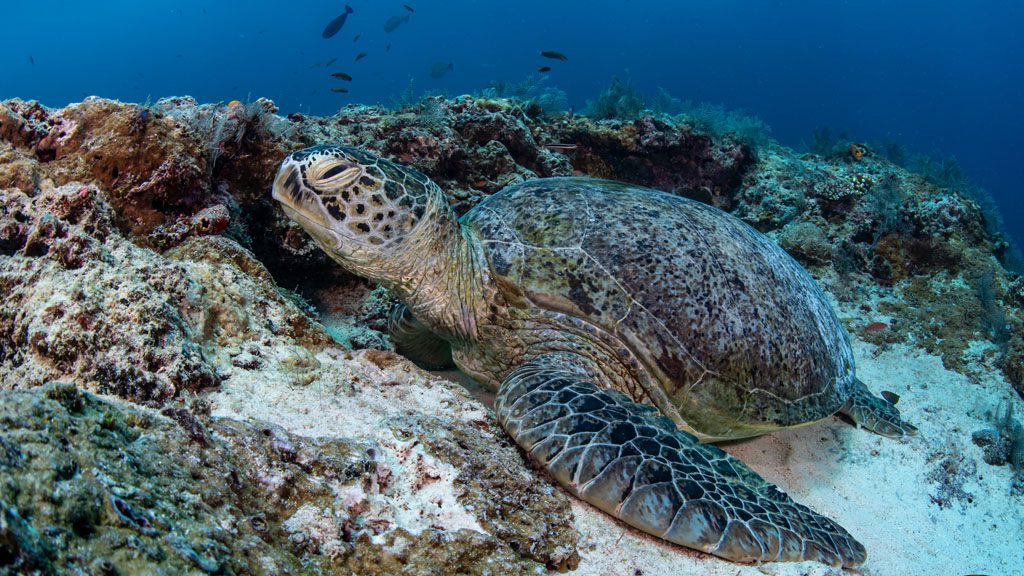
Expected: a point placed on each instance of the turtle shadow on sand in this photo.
(623, 329)
(824, 447)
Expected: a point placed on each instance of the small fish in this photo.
(440, 69)
(544, 69)
(360, 56)
(560, 147)
(334, 25)
(388, 47)
(340, 90)
(394, 22)
(357, 37)
(407, 7)
(554, 55)
(876, 327)
(342, 76)
(331, 61)
(234, 103)
(31, 60)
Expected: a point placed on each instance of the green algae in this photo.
(96, 485)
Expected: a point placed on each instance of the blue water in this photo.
(941, 77)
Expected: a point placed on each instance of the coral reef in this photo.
(112, 489)
(83, 302)
(893, 244)
(142, 258)
(92, 486)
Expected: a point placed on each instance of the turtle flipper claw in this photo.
(660, 480)
(877, 414)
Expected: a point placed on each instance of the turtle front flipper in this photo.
(877, 414)
(638, 467)
(414, 341)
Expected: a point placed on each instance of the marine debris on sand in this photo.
(219, 396)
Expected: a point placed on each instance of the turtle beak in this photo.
(287, 188)
(289, 191)
(303, 206)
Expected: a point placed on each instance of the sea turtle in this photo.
(621, 327)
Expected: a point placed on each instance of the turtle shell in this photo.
(741, 337)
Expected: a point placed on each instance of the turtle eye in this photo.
(334, 175)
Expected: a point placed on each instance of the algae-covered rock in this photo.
(82, 302)
(807, 242)
(139, 493)
(86, 481)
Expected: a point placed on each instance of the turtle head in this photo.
(358, 207)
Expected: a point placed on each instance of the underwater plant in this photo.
(554, 101)
(1002, 443)
(619, 101)
(993, 319)
(826, 144)
(531, 90)
(664, 103)
(406, 98)
(430, 114)
(522, 90)
(885, 200)
(226, 127)
(943, 172)
(891, 150)
(717, 120)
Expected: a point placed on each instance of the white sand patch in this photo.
(354, 398)
(875, 487)
(338, 397)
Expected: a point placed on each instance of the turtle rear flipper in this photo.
(877, 414)
(633, 465)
